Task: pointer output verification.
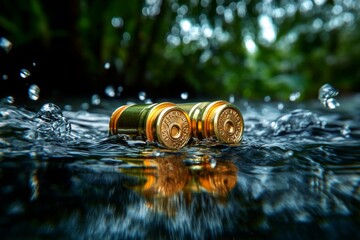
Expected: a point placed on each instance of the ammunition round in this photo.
(218, 119)
(164, 123)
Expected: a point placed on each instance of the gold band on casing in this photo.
(219, 119)
(164, 123)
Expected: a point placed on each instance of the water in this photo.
(296, 175)
(34, 92)
(326, 96)
(110, 91)
(184, 95)
(24, 73)
(5, 44)
(142, 95)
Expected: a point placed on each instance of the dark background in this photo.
(202, 47)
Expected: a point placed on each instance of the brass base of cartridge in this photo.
(164, 123)
(218, 119)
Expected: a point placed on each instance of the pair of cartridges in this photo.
(172, 125)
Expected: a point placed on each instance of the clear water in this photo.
(296, 175)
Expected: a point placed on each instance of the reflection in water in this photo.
(296, 176)
(167, 180)
(160, 197)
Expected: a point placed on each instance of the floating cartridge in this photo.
(219, 119)
(164, 123)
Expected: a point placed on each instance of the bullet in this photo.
(220, 119)
(164, 123)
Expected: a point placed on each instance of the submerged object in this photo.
(164, 123)
(220, 119)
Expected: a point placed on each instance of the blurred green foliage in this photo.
(205, 47)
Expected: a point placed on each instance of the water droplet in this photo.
(32, 154)
(288, 154)
(109, 90)
(126, 36)
(148, 101)
(10, 99)
(280, 106)
(231, 98)
(85, 106)
(156, 154)
(107, 65)
(142, 95)
(95, 99)
(50, 123)
(15, 208)
(34, 64)
(120, 89)
(24, 73)
(213, 162)
(294, 96)
(5, 77)
(326, 96)
(117, 22)
(267, 99)
(68, 107)
(331, 103)
(34, 92)
(5, 44)
(345, 131)
(184, 96)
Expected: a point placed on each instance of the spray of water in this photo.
(50, 123)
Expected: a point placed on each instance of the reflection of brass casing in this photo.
(218, 119)
(165, 123)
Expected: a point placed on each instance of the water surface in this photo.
(296, 175)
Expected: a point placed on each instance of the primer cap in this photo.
(173, 128)
(228, 124)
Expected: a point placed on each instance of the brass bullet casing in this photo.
(219, 119)
(164, 123)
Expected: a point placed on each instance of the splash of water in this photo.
(326, 96)
(50, 123)
(294, 122)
